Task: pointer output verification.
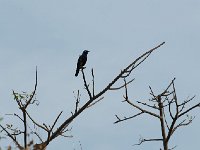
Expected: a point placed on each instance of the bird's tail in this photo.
(77, 71)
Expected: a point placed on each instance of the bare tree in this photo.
(166, 108)
(24, 100)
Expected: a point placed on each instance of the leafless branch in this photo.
(38, 136)
(86, 85)
(93, 88)
(95, 102)
(55, 121)
(117, 88)
(188, 110)
(167, 98)
(170, 111)
(141, 109)
(77, 101)
(37, 124)
(93, 99)
(126, 118)
(165, 120)
(145, 104)
(12, 137)
(34, 91)
(183, 123)
(70, 119)
(142, 140)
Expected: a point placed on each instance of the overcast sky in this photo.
(51, 34)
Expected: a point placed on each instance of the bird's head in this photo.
(85, 52)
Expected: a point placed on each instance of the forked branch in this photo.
(93, 99)
(164, 103)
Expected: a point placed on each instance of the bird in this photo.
(81, 61)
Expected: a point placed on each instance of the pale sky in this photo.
(51, 34)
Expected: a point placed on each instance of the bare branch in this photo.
(142, 110)
(33, 94)
(86, 85)
(95, 102)
(165, 120)
(145, 104)
(167, 98)
(183, 123)
(126, 118)
(56, 121)
(77, 101)
(162, 123)
(142, 140)
(175, 97)
(35, 123)
(12, 137)
(143, 57)
(16, 115)
(187, 101)
(188, 110)
(38, 136)
(93, 88)
(170, 111)
(25, 127)
(117, 88)
(166, 90)
(24, 102)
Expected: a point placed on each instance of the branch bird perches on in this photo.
(54, 130)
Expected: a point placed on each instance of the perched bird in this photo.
(81, 61)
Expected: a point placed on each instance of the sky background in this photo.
(52, 34)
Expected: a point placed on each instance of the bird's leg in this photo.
(82, 67)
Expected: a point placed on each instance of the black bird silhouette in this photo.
(81, 61)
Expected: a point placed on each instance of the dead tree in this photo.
(54, 130)
(166, 108)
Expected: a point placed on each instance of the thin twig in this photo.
(95, 102)
(35, 123)
(85, 84)
(126, 118)
(117, 88)
(93, 88)
(13, 138)
(33, 94)
(142, 140)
